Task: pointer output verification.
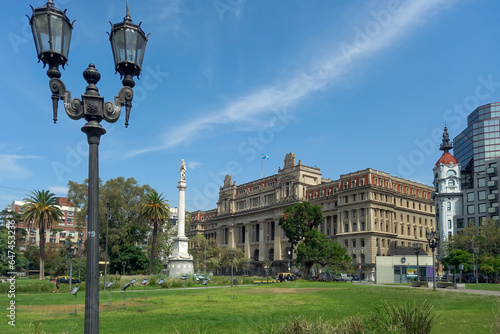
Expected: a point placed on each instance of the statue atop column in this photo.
(183, 170)
(180, 262)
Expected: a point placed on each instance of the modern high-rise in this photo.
(479, 142)
(477, 150)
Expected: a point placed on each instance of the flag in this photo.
(265, 156)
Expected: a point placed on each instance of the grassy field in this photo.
(243, 309)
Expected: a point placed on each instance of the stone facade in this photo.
(368, 212)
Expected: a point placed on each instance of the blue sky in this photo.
(345, 85)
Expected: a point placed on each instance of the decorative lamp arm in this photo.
(123, 99)
(59, 92)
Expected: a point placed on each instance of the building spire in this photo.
(446, 145)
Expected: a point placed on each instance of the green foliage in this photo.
(486, 239)
(320, 251)
(156, 211)
(42, 211)
(403, 319)
(313, 248)
(457, 257)
(298, 220)
(198, 245)
(9, 253)
(134, 258)
(125, 196)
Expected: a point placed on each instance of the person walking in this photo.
(57, 286)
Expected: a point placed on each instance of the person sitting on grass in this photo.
(57, 286)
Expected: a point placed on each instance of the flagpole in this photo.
(262, 168)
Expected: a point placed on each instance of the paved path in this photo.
(469, 291)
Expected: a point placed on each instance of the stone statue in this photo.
(183, 170)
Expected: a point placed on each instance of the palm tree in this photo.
(156, 211)
(43, 211)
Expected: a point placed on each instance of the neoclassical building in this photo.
(370, 213)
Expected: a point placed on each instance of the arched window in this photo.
(451, 183)
(256, 255)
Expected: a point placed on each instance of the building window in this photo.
(471, 221)
(346, 229)
(460, 223)
(448, 206)
(481, 195)
(470, 209)
(451, 183)
(482, 221)
(362, 226)
(346, 243)
(482, 208)
(353, 214)
(449, 224)
(470, 197)
(353, 243)
(481, 182)
(362, 242)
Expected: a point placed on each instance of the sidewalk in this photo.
(469, 291)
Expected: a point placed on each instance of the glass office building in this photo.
(480, 141)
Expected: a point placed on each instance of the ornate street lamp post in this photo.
(416, 247)
(52, 35)
(71, 254)
(232, 255)
(433, 240)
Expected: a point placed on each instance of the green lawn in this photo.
(244, 309)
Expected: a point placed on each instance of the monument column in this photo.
(180, 262)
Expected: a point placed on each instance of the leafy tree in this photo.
(298, 220)
(125, 196)
(490, 266)
(132, 256)
(215, 256)
(156, 211)
(319, 251)
(43, 211)
(8, 253)
(198, 247)
(457, 257)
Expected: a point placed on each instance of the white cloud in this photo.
(59, 190)
(12, 168)
(317, 76)
(193, 164)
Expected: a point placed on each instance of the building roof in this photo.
(446, 159)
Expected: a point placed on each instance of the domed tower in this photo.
(447, 189)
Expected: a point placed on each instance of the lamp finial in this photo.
(128, 13)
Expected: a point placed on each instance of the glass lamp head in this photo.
(51, 30)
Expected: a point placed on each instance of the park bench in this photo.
(421, 283)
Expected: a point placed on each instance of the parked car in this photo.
(325, 277)
(65, 279)
(283, 277)
(342, 278)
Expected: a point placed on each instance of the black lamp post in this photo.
(433, 239)
(416, 247)
(52, 35)
(70, 251)
(232, 255)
